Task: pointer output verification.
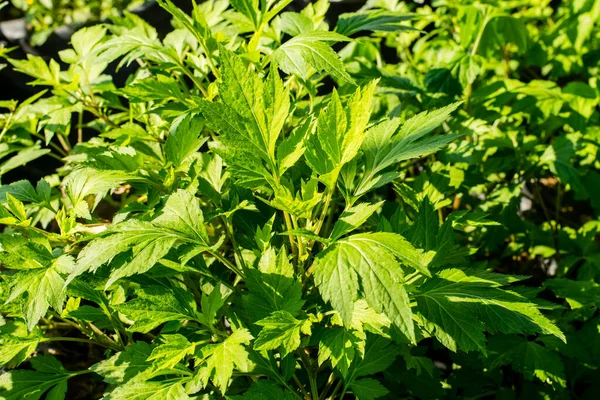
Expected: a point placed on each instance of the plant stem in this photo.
(324, 213)
(310, 373)
(51, 144)
(64, 143)
(336, 389)
(288, 225)
(79, 127)
(301, 387)
(104, 336)
(73, 339)
(7, 125)
(190, 75)
(226, 262)
(325, 210)
(476, 44)
(486, 19)
(330, 381)
(238, 254)
(211, 63)
(253, 43)
(300, 244)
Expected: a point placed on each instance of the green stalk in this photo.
(78, 340)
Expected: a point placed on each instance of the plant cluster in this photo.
(403, 204)
(44, 16)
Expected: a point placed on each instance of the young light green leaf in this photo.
(272, 287)
(17, 342)
(353, 218)
(291, 149)
(219, 360)
(184, 138)
(43, 287)
(372, 20)
(128, 365)
(249, 8)
(307, 53)
(383, 148)
(171, 350)
(249, 119)
(365, 266)
(341, 346)
(340, 133)
(86, 181)
(281, 330)
(155, 306)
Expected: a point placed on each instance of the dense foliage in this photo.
(400, 204)
(44, 16)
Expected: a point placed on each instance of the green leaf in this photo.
(219, 360)
(184, 138)
(272, 287)
(17, 342)
(341, 347)
(48, 376)
(340, 133)
(125, 366)
(43, 288)
(353, 218)
(156, 88)
(212, 303)
(307, 53)
(23, 157)
(579, 294)
(529, 358)
(379, 355)
(458, 309)
(383, 147)
(35, 66)
(169, 389)
(171, 350)
(371, 20)
(294, 23)
(249, 8)
(56, 122)
(368, 389)
(281, 329)
(84, 182)
(24, 191)
(249, 118)
(154, 306)
(143, 244)
(365, 266)
(182, 214)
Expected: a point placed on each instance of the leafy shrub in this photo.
(44, 16)
(260, 216)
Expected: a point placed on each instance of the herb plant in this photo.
(44, 16)
(403, 204)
